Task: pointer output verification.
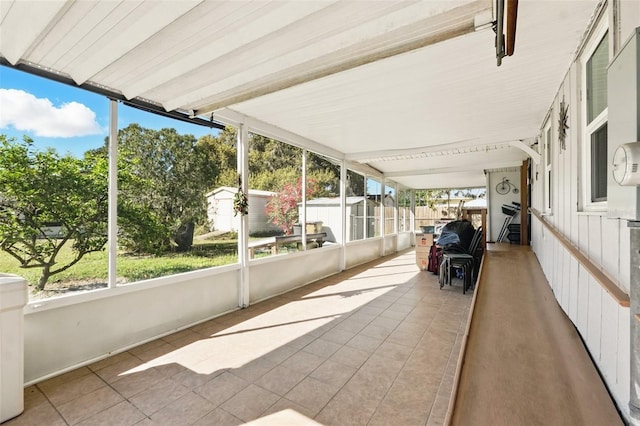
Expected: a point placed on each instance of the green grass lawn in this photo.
(93, 266)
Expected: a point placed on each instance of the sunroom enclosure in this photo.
(417, 103)
(133, 313)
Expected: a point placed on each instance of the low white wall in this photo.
(362, 251)
(404, 240)
(65, 332)
(390, 244)
(275, 275)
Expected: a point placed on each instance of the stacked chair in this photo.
(468, 262)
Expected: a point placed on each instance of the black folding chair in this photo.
(465, 261)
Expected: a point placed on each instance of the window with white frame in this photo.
(547, 139)
(595, 60)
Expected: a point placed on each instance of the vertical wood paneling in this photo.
(558, 269)
(583, 300)
(594, 249)
(609, 346)
(624, 353)
(573, 291)
(548, 255)
(583, 233)
(594, 318)
(566, 280)
(623, 252)
(610, 243)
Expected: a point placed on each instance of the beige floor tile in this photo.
(301, 341)
(284, 404)
(344, 410)
(352, 325)
(154, 344)
(393, 314)
(219, 417)
(282, 353)
(364, 343)
(123, 414)
(208, 328)
(303, 362)
(438, 411)
(400, 307)
(114, 359)
(255, 369)
(339, 336)
(350, 356)
(388, 362)
(185, 334)
(333, 373)
(395, 351)
(60, 392)
(131, 384)
(33, 396)
(156, 352)
(158, 396)
(186, 410)
(89, 404)
(192, 379)
(376, 331)
(221, 388)
(280, 380)
(250, 403)
(66, 377)
(405, 338)
(323, 348)
(113, 372)
(311, 393)
(42, 413)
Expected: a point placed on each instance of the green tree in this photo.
(41, 191)
(223, 148)
(163, 181)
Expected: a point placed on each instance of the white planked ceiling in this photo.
(409, 87)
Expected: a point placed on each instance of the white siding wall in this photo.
(603, 324)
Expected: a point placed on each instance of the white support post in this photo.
(365, 225)
(112, 215)
(383, 218)
(343, 209)
(412, 220)
(303, 216)
(396, 211)
(243, 234)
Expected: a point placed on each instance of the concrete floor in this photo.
(376, 345)
(524, 362)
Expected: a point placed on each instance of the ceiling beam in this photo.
(434, 29)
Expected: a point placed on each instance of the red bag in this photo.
(435, 259)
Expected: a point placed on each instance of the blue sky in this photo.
(66, 118)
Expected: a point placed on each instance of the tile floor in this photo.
(375, 345)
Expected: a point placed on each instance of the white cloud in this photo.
(39, 116)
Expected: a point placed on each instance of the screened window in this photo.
(390, 210)
(547, 167)
(599, 164)
(355, 213)
(595, 137)
(374, 205)
(597, 79)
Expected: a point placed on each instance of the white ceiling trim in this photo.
(233, 118)
(431, 30)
